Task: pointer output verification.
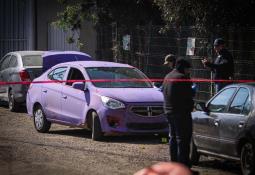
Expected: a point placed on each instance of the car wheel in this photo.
(247, 159)
(41, 123)
(13, 105)
(194, 155)
(96, 127)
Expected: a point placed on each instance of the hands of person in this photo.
(165, 168)
(205, 61)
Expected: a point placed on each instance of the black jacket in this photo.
(223, 66)
(177, 95)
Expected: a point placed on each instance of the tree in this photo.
(207, 15)
(126, 13)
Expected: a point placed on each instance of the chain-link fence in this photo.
(145, 48)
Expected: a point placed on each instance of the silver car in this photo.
(19, 66)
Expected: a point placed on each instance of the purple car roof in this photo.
(94, 64)
(52, 58)
(50, 53)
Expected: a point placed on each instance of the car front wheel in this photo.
(247, 159)
(96, 127)
(41, 123)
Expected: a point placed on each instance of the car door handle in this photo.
(45, 91)
(241, 124)
(64, 97)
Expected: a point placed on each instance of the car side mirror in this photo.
(85, 87)
(157, 84)
(201, 106)
(78, 85)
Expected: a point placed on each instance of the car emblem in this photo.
(149, 110)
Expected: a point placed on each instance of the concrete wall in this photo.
(47, 13)
(88, 36)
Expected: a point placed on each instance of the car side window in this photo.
(220, 102)
(13, 61)
(74, 74)
(238, 103)
(57, 74)
(247, 106)
(5, 62)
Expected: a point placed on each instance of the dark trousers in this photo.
(180, 133)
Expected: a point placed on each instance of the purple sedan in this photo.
(105, 107)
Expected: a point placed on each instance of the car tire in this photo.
(247, 159)
(194, 155)
(40, 122)
(96, 127)
(12, 104)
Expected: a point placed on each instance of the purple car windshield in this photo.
(118, 73)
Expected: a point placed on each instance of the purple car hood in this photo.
(136, 95)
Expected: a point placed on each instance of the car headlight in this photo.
(112, 103)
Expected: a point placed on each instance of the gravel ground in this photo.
(66, 150)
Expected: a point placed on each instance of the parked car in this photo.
(225, 126)
(23, 66)
(18, 66)
(105, 107)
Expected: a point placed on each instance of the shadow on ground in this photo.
(220, 164)
(22, 109)
(135, 139)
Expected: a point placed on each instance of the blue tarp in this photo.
(51, 58)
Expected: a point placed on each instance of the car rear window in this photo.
(32, 60)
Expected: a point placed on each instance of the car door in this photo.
(4, 74)
(206, 130)
(73, 101)
(232, 123)
(51, 93)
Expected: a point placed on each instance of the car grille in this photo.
(147, 111)
(147, 126)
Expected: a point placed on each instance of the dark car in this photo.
(225, 126)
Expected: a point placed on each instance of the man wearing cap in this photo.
(223, 66)
(170, 61)
(178, 105)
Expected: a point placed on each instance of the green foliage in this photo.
(75, 12)
(207, 15)
(125, 13)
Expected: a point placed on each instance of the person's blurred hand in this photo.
(165, 168)
(205, 61)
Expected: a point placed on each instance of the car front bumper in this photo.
(126, 121)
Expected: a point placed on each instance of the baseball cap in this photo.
(169, 58)
(218, 41)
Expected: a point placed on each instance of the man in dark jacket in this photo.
(223, 66)
(178, 105)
